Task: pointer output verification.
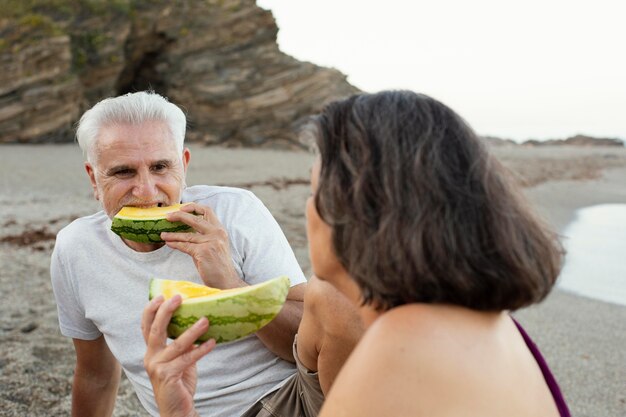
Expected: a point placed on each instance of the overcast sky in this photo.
(514, 69)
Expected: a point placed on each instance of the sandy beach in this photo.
(44, 187)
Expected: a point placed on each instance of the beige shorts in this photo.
(300, 396)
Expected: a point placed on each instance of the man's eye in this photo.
(159, 167)
(123, 173)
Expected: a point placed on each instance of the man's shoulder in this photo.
(81, 227)
(234, 207)
(200, 193)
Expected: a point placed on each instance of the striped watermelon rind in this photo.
(147, 228)
(232, 314)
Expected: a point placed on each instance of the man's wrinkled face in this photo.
(137, 165)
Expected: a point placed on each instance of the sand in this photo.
(44, 187)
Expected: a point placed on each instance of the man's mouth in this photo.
(145, 205)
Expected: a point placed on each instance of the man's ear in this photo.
(186, 158)
(92, 177)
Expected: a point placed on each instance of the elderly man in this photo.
(135, 157)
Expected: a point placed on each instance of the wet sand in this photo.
(44, 187)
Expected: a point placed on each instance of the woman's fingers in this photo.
(148, 314)
(185, 342)
(181, 354)
(161, 358)
(197, 352)
(163, 370)
(157, 332)
(157, 315)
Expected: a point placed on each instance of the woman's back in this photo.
(439, 360)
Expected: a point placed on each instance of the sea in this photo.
(595, 264)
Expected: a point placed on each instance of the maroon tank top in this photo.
(547, 375)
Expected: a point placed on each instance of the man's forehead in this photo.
(156, 131)
(120, 140)
(137, 155)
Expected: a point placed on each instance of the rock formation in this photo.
(578, 140)
(217, 59)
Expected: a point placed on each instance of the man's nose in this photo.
(145, 188)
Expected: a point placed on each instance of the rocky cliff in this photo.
(577, 140)
(217, 59)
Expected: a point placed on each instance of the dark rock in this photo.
(29, 237)
(495, 141)
(29, 327)
(218, 59)
(578, 140)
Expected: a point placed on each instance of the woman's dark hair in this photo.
(421, 212)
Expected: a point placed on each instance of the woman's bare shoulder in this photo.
(424, 323)
(399, 355)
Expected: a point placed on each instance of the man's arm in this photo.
(330, 329)
(278, 335)
(210, 250)
(96, 378)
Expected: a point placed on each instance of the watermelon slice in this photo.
(232, 314)
(146, 224)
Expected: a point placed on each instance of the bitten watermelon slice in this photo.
(146, 224)
(232, 314)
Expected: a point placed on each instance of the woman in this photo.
(412, 218)
(416, 223)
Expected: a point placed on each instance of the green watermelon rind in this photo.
(146, 230)
(231, 315)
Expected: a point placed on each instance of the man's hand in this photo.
(172, 368)
(208, 246)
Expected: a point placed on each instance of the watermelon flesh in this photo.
(232, 314)
(145, 225)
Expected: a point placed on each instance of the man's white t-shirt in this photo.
(101, 288)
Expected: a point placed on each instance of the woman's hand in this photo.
(208, 246)
(172, 368)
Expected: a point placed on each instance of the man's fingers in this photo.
(184, 247)
(189, 207)
(148, 316)
(208, 214)
(198, 223)
(217, 237)
(183, 237)
(205, 212)
(204, 220)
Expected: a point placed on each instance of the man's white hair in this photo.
(134, 109)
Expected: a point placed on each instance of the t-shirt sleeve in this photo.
(72, 320)
(262, 245)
